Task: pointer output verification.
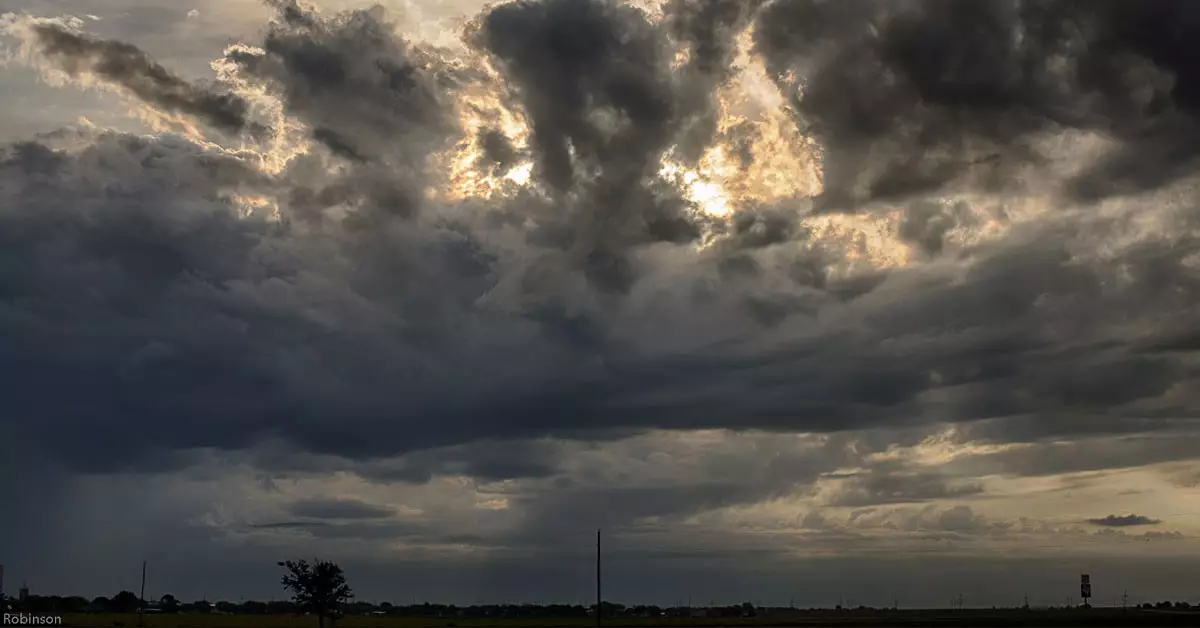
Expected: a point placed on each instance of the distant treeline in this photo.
(128, 602)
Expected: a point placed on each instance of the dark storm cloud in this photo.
(138, 262)
(498, 149)
(365, 92)
(526, 349)
(572, 59)
(365, 337)
(368, 96)
(909, 96)
(708, 28)
(175, 284)
(594, 79)
(486, 461)
(1122, 521)
(130, 67)
(729, 477)
(999, 348)
(338, 508)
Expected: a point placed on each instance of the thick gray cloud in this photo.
(570, 58)
(366, 94)
(910, 96)
(603, 107)
(539, 360)
(1121, 521)
(174, 295)
(1033, 328)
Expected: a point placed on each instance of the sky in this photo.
(798, 301)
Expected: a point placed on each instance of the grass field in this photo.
(898, 619)
(94, 620)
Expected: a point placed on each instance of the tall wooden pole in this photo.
(142, 598)
(599, 599)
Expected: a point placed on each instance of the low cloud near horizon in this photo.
(796, 300)
(1121, 521)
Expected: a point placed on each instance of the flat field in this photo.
(1100, 618)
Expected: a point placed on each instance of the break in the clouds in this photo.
(751, 285)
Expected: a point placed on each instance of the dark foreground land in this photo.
(1071, 618)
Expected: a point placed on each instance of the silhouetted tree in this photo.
(168, 603)
(125, 602)
(319, 588)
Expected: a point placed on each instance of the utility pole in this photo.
(1125, 600)
(142, 598)
(599, 599)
